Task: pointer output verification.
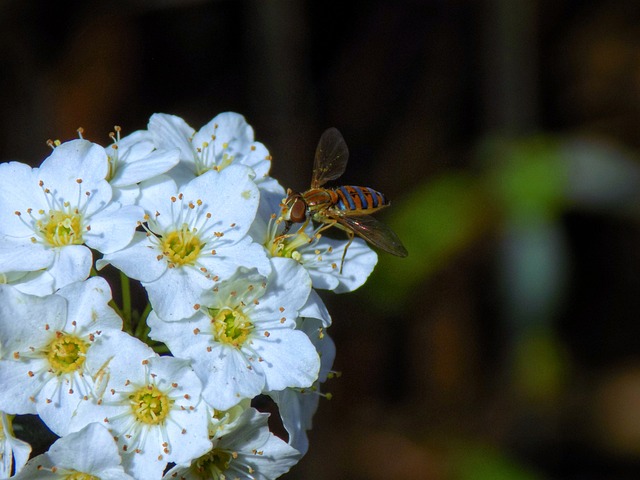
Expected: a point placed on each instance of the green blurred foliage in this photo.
(541, 367)
(435, 221)
(515, 203)
(481, 462)
(522, 186)
(527, 178)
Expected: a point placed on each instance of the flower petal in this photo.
(15, 452)
(24, 256)
(88, 309)
(91, 450)
(18, 191)
(113, 227)
(226, 261)
(170, 131)
(176, 293)
(18, 386)
(230, 196)
(72, 264)
(227, 375)
(223, 128)
(27, 322)
(34, 283)
(315, 308)
(287, 292)
(289, 359)
(72, 160)
(138, 260)
(153, 164)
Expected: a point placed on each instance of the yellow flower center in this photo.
(114, 155)
(182, 247)
(226, 161)
(206, 159)
(150, 405)
(230, 326)
(287, 245)
(66, 353)
(60, 228)
(213, 464)
(80, 476)
(111, 161)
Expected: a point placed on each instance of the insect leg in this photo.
(330, 223)
(287, 226)
(326, 224)
(344, 253)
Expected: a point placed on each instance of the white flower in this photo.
(45, 341)
(150, 404)
(88, 454)
(133, 159)
(315, 308)
(222, 422)
(49, 214)
(225, 140)
(14, 453)
(196, 237)
(243, 339)
(247, 450)
(35, 283)
(320, 255)
(297, 406)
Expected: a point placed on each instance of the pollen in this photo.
(288, 245)
(182, 247)
(230, 326)
(150, 405)
(60, 228)
(214, 464)
(66, 353)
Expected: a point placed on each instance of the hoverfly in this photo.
(346, 207)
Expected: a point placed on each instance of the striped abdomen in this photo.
(359, 199)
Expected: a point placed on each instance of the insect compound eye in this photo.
(298, 211)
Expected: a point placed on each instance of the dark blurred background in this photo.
(506, 133)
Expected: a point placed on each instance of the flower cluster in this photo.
(232, 311)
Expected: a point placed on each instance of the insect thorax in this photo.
(319, 198)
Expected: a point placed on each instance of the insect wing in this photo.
(331, 158)
(374, 232)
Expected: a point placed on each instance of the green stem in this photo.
(142, 323)
(126, 295)
(161, 348)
